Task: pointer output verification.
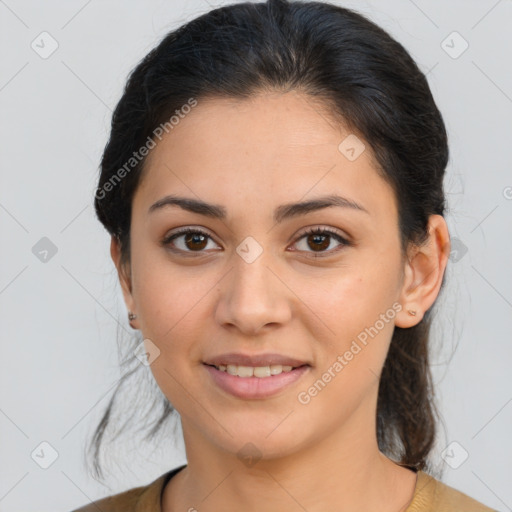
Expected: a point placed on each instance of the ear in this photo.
(124, 277)
(423, 273)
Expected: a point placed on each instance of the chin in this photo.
(266, 440)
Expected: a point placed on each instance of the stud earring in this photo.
(131, 316)
(411, 312)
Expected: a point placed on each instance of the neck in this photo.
(343, 471)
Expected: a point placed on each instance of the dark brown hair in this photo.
(369, 81)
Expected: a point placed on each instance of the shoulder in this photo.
(146, 498)
(125, 501)
(433, 495)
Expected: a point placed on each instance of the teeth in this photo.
(244, 371)
(251, 371)
(262, 371)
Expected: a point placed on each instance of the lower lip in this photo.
(255, 387)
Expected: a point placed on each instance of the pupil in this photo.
(194, 238)
(323, 245)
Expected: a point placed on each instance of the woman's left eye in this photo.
(196, 240)
(321, 238)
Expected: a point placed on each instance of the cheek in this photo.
(166, 294)
(347, 304)
(171, 302)
(359, 320)
(353, 318)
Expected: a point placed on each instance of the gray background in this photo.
(60, 317)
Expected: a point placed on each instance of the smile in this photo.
(255, 382)
(254, 371)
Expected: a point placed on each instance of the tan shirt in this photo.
(430, 495)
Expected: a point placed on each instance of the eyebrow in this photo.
(281, 213)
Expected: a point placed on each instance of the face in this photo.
(253, 288)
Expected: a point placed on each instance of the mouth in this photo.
(255, 377)
(255, 371)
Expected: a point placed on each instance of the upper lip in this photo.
(254, 360)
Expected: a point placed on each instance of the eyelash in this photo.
(311, 231)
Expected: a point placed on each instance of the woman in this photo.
(273, 186)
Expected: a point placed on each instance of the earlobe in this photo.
(423, 274)
(124, 276)
(410, 314)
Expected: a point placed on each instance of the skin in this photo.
(251, 156)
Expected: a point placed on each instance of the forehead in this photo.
(269, 149)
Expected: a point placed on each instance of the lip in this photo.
(254, 360)
(253, 388)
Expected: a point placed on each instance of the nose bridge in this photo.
(252, 277)
(253, 296)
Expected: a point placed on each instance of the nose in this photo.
(253, 297)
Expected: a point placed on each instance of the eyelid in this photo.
(167, 239)
(328, 229)
(344, 240)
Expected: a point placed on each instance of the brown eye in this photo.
(196, 241)
(318, 240)
(193, 240)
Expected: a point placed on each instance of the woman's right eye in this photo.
(190, 240)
